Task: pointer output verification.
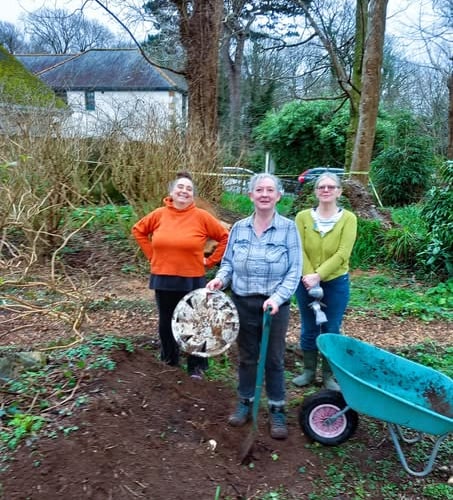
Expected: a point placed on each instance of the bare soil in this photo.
(149, 431)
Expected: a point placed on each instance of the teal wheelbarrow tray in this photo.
(404, 394)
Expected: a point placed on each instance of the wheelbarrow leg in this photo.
(418, 436)
(395, 433)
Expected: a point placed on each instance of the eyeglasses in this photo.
(329, 188)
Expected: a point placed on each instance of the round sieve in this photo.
(205, 323)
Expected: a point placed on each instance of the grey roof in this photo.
(102, 69)
(37, 63)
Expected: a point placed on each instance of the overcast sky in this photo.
(17, 7)
(403, 15)
(92, 11)
(400, 11)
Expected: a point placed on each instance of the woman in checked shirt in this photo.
(263, 266)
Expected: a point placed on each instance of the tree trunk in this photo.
(450, 118)
(200, 28)
(369, 101)
(233, 66)
(361, 18)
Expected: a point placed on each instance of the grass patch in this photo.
(430, 354)
(393, 295)
(222, 369)
(102, 216)
(382, 477)
(114, 222)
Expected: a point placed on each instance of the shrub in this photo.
(369, 248)
(439, 218)
(303, 135)
(405, 241)
(402, 170)
(403, 246)
(401, 176)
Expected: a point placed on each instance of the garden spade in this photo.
(248, 443)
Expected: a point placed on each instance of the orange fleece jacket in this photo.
(173, 240)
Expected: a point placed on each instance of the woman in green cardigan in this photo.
(328, 233)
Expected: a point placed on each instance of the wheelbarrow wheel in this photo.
(314, 416)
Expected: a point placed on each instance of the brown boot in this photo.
(277, 422)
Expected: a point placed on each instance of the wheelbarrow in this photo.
(412, 399)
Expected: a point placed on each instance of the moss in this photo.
(19, 87)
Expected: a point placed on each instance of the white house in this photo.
(112, 92)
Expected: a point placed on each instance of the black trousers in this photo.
(169, 349)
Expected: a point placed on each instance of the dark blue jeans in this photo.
(250, 310)
(336, 298)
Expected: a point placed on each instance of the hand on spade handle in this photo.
(271, 306)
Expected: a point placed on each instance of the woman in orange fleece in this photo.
(173, 238)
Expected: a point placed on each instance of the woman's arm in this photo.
(225, 272)
(141, 231)
(217, 232)
(291, 279)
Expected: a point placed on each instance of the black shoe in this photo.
(197, 374)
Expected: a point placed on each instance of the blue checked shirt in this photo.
(269, 265)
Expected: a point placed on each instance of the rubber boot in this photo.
(328, 381)
(309, 373)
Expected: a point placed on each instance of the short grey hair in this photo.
(328, 175)
(265, 175)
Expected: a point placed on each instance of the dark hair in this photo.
(183, 174)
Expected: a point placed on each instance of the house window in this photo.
(89, 100)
